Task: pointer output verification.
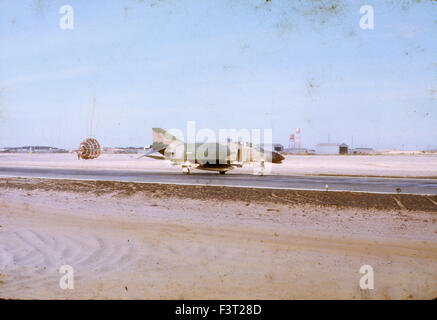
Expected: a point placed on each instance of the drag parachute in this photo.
(88, 149)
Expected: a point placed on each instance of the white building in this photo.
(332, 148)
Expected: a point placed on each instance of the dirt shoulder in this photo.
(256, 195)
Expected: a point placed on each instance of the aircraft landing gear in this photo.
(261, 169)
(222, 172)
(186, 167)
(262, 165)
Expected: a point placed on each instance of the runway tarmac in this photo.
(363, 184)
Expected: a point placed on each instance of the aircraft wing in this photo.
(155, 156)
(150, 154)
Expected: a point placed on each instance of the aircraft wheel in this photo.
(222, 172)
(186, 171)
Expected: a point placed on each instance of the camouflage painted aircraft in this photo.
(208, 156)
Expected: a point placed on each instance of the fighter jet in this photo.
(220, 157)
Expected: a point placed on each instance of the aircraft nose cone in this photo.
(277, 158)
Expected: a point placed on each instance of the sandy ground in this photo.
(140, 247)
(379, 165)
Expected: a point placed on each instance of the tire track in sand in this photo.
(30, 258)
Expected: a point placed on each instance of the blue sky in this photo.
(223, 64)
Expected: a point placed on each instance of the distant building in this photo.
(122, 150)
(332, 148)
(35, 149)
(362, 151)
(299, 151)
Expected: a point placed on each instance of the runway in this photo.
(334, 183)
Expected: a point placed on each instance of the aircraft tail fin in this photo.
(162, 137)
